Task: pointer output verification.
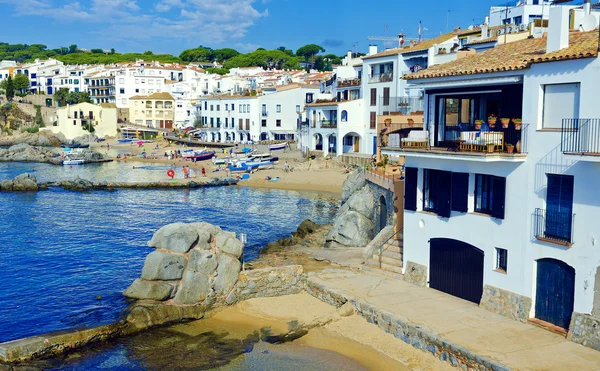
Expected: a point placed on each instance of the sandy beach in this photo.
(305, 175)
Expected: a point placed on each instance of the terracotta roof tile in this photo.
(161, 95)
(514, 56)
(483, 41)
(425, 44)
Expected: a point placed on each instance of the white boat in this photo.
(277, 147)
(75, 161)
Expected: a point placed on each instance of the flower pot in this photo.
(505, 123)
(478, 126)
(510, 149)
(387, 121)
(490, 148)
(518, 125)
(518, 146)
(410, 122)
(491, 122)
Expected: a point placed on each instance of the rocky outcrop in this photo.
(44, 138)
(353, 225)
(305, 231)
(26, 153)
(22, 183)
(355, 182)
(83, 185)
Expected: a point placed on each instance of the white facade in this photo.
(74, 121)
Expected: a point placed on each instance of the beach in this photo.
(319, 175)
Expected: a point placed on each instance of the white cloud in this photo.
(204, 21)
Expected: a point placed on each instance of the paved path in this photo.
(514, 344)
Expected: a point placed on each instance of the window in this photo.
(218, 107)
(501, 259)
(344, 115)
(263, 123)
(490, 192)
(241, 108)
(436, 192)
(205, 106)
(460, 192)
(124, 101)
(241, 124)
(309, 97)
(297, 108)
(122, 90)
(137, 90)
(559, 207)
(248, 108)
(226, 123)
(373, 97)
(121, 81)
(150, 82)
(349, 140)
(232, 107)
(278, 108)
(137, 81)
(561, 101)
(278, 123)
(226, 107)
(212, 108)
(410, 188)
(386, 96)
(373, 120)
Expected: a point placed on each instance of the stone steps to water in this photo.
(384, 266)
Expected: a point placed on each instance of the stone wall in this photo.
(416, 274)
(267, 282)
(585, 330)
(378, 193)
(506, 303)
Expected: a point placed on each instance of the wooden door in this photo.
(555, 292)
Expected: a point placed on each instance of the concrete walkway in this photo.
(515, 345)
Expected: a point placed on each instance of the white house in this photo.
(505, 215)
(77, 120)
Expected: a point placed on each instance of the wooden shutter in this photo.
(373, 121)
(460, 192)
(410, 188)
(498, 197)
(386, 96)
(444, 187)
(373, 96)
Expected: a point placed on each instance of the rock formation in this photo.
(26, 153)
(353, 224)
(193, 264)
(44, 138)
(22, 183)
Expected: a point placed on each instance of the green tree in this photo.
(218, 71)
(5, 111)
(21, 83)
(9, 89)
(199, 54)
(148, 52)
(333, 59)
(39, 120)
(310, 51)
(72, 49)
(112, 51)
(197, 122)
(79, 97)
(285, 50)
(62, 96)
(221, 55)
(97, 51)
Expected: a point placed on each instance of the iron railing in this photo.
(403, 105)
(581, 136)
(327, 124)
(469, 133)
(349, 82)
(265, 114)
(382, 250)
(554, 226)
(382, 77)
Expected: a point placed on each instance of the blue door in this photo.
(559, 207)
(555, 292)
(375, 145)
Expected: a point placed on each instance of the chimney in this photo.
(558, 29)
(401, 40)
(349, 57)
(485, 28)
(587, 7)
(372, 49)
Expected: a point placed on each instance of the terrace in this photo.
(581, 137)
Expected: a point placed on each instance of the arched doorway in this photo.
(218, 137)
(351, 143)
(318, 142)
(456, 268)
(555, 292)
(233, 136)
(332, 144)
(383, 214)
(264, 136)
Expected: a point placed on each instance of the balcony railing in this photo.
(382, 77)
(326, 124)
(349, 82)
(581, 136)
(400, 105)
(264, 114)
(554, 226)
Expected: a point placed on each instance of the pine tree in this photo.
(39, 120)
(10, 89)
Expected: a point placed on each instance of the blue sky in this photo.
(170, 26)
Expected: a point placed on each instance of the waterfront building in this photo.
(78, 119)
(499, 201)
(153, 111)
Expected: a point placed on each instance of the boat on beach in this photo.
(278, 147)
(199, 156)
(126, 140)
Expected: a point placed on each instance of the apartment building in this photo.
(499, 205)
(86, 118)
(154, 110)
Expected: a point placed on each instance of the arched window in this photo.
(344, 115)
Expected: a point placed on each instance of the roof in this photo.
(423, 45)
(108, 105)
(320, 104)
(483, 41)
(518, 55)
(161, 95)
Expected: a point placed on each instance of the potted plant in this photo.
(491, 148)
(510, 148)
(442, 51)
(410, 121)
(505, 121)
(492, 120)
(478, 124)
(518, 123)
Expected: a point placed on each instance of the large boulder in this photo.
(305, 228)
(177, 237)
(353, 225)
(163, 266)
(22, 183)
(228, 243)
(142, 289)
(202, 261)
(194, 288)
(227, 274)
(355, 181)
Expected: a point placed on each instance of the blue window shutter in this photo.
(460, 192)
(410, 188)
(444, 188)
(498, 197)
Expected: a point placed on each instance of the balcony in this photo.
(327, 124)
(264, 114)
(400, 105)
(346, 83)
(581, 137)
(554, 226)
(463, 143)
(382, 77)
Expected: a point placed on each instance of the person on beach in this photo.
(203, 171)
(286, 167)
(185, 172)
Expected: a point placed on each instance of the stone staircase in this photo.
(390, 263)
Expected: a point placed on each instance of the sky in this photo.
(171, 26)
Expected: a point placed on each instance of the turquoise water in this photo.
(65, 257)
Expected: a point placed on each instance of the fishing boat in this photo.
(75, 161)
(278, 147)
(199, 156)
(126, 140)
